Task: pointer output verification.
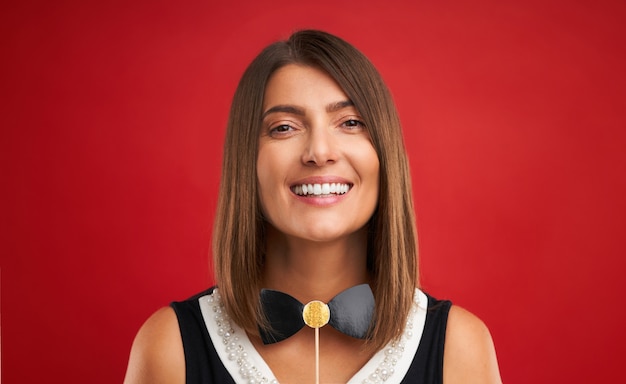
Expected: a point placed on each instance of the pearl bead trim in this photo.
(246, 366)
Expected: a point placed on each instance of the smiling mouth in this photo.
(321, 190)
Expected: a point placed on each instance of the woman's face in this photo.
(317, 169)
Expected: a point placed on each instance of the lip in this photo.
(321, 180)
(321, 201)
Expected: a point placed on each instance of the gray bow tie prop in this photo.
(350, 312)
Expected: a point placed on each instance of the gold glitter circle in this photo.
(316, 314)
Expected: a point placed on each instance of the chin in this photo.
(328, 235)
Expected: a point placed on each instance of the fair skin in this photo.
(316, 244)
(313, 135)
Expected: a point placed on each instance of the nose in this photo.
(320, 148)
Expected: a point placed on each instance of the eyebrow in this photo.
(283, 108)
(333, 107)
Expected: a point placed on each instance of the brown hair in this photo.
(238, 237)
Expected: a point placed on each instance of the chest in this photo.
(294, 360)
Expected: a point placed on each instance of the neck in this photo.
(309, 270)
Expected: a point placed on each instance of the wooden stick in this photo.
(317, 356)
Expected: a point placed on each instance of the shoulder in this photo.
(157, 354)
(469, 353)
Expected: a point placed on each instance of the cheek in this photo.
(263, 166)
(371, 172)
(261, 178)
(376, 179)
(266, 178)
(370, 164)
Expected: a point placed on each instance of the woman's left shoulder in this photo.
(469, 353)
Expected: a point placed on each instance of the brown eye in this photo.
(281, 128)
(352, 123)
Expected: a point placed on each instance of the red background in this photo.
(113, 116)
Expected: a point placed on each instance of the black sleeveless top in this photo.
(204, 366)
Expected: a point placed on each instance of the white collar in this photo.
(243, 362)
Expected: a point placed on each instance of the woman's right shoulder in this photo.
(157, 354)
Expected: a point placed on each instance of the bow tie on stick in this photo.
(350, 312)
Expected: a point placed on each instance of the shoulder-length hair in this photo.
(238, 236)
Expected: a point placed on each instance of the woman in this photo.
(315, 199)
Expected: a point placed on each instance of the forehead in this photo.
(304, 86)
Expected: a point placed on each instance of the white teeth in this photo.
(321, 189)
